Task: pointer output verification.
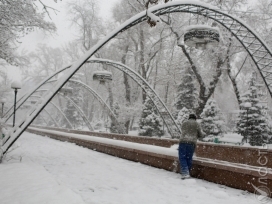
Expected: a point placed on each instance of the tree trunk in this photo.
(127, 86)
(142, 60)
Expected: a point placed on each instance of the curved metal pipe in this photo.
(87, 122)
(60, 111)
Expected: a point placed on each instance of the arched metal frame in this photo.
(161, 107)
(59, 110)
(80, 112)
(53, 119)
(24, 98)
(84, 117)
(256, 48)
(102, 102)
(43, 119)
(35, 89)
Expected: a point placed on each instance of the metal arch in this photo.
(80, 112)
(44, 120)
(102, 102)
(26, 96)
(161, 107)
(253, 44)
(55, 122)
(60, 111)
(170, 7)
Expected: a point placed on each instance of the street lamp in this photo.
(247, 106)
(15, 85)
(3, 101)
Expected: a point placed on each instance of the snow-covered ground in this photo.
(43, 170)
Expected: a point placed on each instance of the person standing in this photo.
(190, 132)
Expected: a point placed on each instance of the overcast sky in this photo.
(64, 32)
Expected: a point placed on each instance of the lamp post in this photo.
(3, 101)
(247, 106)
(15, 85)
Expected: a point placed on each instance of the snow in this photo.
(30, 183)
(16, 85)
(59, 172)
(153, 17)
(148, 148)
(201, 27)
(231, 138)
(102, 72)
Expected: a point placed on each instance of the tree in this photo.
(84, 16)
(186, 96)
(150, 122)
(252, 123)
(116, 110)
(212, 121)
(18, 18)
(183, 114)
(43, 62)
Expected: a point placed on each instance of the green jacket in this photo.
(190, 131)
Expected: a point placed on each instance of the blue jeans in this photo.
(186, 151)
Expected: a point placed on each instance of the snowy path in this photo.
(98, 178)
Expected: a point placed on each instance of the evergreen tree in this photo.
(187, 93)
(212, 120)
(252, 123)
(150, 122)
(116, 110)
(183, 115)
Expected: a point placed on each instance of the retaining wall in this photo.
(229, 174)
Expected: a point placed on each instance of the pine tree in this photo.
(150, 122)
(183, 115)
(212, 121)
(116, 110)
(187, 94)
(252, 123)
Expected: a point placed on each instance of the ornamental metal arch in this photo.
(46, 122)
(24, 98)
(255, 46)
(102, 102)
(87, 122)
(58, 109)
(53, 119)
(160, 106)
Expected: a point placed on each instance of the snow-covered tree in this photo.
(252, 123)
(183, 115)
(187, 93)
(18, 18)
(212, 121)
(150, 122)
(116, 110)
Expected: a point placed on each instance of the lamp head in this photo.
(16, 85)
